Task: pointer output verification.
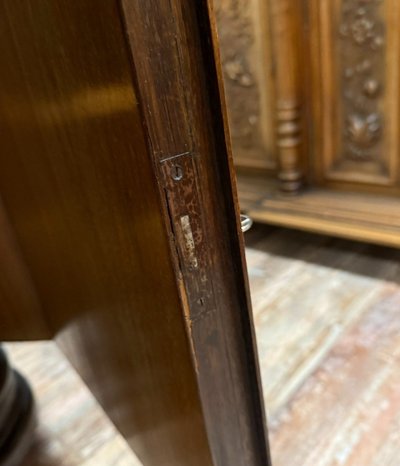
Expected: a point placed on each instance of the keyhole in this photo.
(177, 172)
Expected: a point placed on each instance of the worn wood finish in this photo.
(192, 163)
(80, 191)
(127, 219)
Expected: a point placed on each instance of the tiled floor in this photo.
(327, 316)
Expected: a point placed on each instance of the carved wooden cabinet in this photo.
(312, 92)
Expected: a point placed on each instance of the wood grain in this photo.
(335, 74)
(189, 136)
(21, 315)
(78, 185)
(118, 180)
(244, 31)
(362, 217)
(285, 40)
(356, 128)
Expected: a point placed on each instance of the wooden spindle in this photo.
(286, 38)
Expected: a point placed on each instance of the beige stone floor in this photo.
(327, 314)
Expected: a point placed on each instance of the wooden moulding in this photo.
(362, 217)
(177, 81)
(285, 20)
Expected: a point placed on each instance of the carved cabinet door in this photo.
(313, 100)
(353, 97)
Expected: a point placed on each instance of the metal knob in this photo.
(246, 222)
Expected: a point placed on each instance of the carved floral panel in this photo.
(362, 42)
(354, 50)
(244, 47)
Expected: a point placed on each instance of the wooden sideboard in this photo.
(313, 102)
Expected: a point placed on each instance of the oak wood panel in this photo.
(244, 29)
(353, 92)
(363, 217)
(77, 182)
(335, 75)
(21, 315)
(335, 79)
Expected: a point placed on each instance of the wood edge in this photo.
(247, 316)
(326, 226)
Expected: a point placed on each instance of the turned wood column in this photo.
(286, 40)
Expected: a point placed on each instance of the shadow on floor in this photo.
(370, 260)
(40, 455)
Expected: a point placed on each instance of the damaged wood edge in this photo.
(164, 148)
(176, 262)
(223, 130)
(180, 260)
(180, 179)
(188, 322)
(170, 226)
(189, 245)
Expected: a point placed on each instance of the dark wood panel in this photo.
(77, 182)
(21, 314)
(177, 81)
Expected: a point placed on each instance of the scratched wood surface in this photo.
(327, 315)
